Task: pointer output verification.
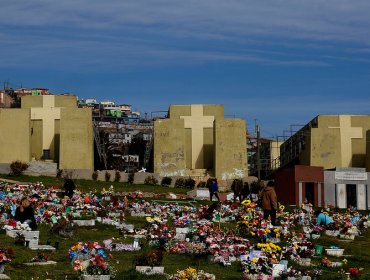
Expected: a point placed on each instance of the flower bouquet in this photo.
(89, 259)
(192, 274)
(5, 257)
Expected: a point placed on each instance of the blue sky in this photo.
(279, 61)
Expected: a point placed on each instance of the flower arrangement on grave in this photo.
(182, 222)
(297, 250)
(64, 228)
(120, 247)
(354, 271)
(256, 268)
(325, 262)
(40, 257)
(192, 274)
(89, 258)
(153, 258)
(86, 215)
(6, 255)
(19, 239)
(298, 273)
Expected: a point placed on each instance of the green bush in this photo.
(189, 183)
(117, 176)
(95, 175)
(130, 178)
(202, 184)
(166, 181)
(180, 183)
(18, 167)
(151, 180)
(107, 176)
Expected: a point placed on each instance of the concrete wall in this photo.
(15, 135)
(36, 139)
(230, 149)
(76, 139)
(368, 151)
(169, 147)
(325, 143)
(48, 101)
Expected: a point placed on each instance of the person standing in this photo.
(213, 189)
(269, 202)
(25, 213)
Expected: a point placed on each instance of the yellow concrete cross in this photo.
(347, 133)
(48, 114)
(197, 122)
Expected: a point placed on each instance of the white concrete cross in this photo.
(197, 122)
(48, 114)
(347, 133)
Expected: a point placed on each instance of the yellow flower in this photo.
(345, 261)
(246, 202)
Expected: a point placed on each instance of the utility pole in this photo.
(258, 153)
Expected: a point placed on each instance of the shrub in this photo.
(59, 173)
(202, 184)
(189, 183)
(107, 176)
(151, 180)
(180, 183)
(117, 176)
(166, 181)
(130, 178)
(18, 167)
(153, 258)
(95, 175)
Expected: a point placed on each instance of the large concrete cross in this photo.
(48, 113)
(347, 133)
(197, 122)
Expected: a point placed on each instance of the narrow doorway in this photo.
(310, 193)
(351, 195)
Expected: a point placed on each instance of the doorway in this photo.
(310, 193)
(351, 195)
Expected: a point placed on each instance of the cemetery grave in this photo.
(126, 236)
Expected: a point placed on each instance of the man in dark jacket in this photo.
(25, 214)
(69, 187)
(269, 202)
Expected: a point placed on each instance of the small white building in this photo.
(347, 187)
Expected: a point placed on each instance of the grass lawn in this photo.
(90, 185)
(357, 252)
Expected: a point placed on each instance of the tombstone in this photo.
(200, 194)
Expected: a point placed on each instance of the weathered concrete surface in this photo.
(36, 168)
(15, 133)
(169, 147)
(76, 139)
(230, 149)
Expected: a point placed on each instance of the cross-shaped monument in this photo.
(197, 122)
(48, 113)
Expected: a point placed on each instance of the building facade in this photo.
(49, 128)
(330, 141)
(198, 140)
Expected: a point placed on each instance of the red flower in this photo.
(354, 271)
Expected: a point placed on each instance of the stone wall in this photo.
(169, 147)
(230, 149)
